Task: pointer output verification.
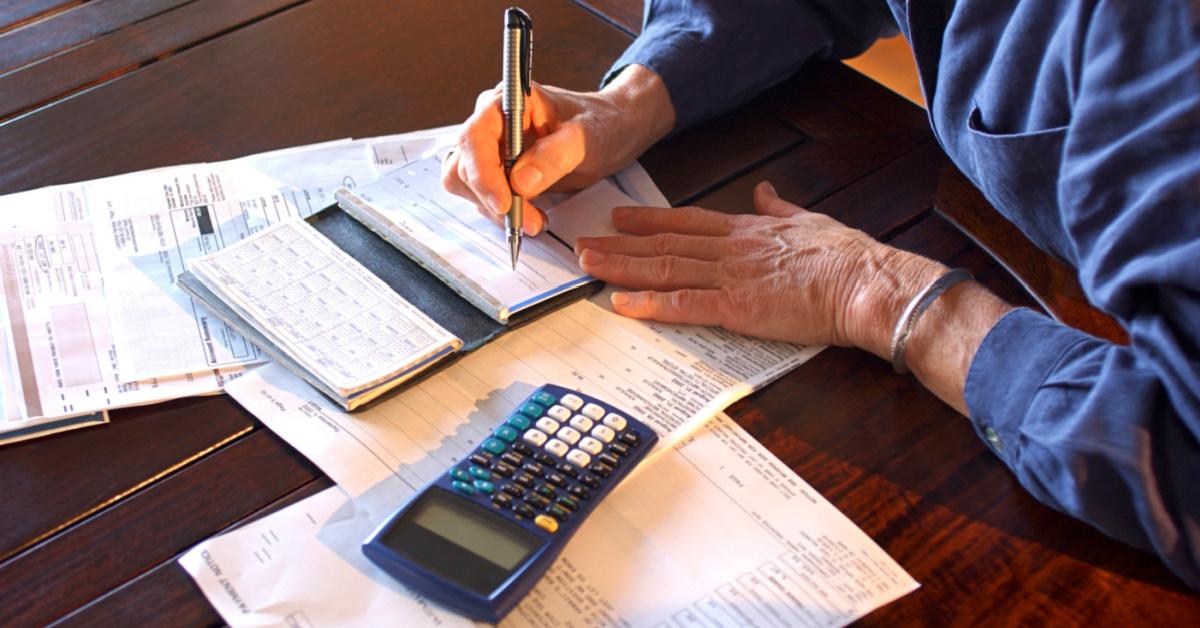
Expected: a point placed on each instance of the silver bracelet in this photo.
(914, 310)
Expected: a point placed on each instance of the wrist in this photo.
(640, 97)
(889, 279)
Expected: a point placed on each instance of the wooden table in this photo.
(93, 520)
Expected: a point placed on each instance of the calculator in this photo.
(477, 539)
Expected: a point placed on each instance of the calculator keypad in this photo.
(547, 457)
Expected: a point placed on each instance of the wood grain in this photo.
(16, 13)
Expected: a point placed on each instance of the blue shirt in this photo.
(1080, 122)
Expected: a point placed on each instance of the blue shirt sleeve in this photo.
(1107, 433)
(715, 54)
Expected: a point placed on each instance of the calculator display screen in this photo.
(461, 541)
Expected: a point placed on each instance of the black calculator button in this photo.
(514, 490)
(620, 449)
(590, 481)
(503, 470)
(537, 501)
(545, 490)
(578, 491)
(511, 459)
(631, 439)
(567, 502)
(482, 459)
(522, 448)
(556, 479)
(501, 500)
(568, 470)
(524, 510)
(608, 459)
(601, 469)
(524, 479)
(558, 512)
(544, 458)
(534, 469)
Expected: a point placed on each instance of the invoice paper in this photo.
(714, 533)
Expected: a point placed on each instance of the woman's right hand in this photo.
(573, 139)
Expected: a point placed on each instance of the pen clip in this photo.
(518, 18)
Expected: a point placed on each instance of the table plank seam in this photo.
(739, 172)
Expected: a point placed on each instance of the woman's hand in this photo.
(576, 138)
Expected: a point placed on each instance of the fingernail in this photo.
(770, 188)
(620, 299)
(591, 257)
(526, 179)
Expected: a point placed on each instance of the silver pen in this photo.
(518, 48)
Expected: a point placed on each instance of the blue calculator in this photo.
(478, 539)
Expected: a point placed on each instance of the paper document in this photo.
(715, 533)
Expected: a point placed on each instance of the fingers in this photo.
(548, 160)
(479, 165)
(667, 272)
(695, 247)
(768, 203)
(683, 220)
(691, 307)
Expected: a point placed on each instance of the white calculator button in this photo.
(604, 433)
(560, 413)
(568, 435)
(591, 445)
(535, 438)
(581, 423)
(547, 425)
(593, 411)
(615, 421)
(571, 401)
(578, 458)
(557, 447)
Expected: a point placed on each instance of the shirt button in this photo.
(993, 438)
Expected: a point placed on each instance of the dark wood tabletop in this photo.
(93, 520)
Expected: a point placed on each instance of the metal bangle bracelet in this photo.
(915, 308)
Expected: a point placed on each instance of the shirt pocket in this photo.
(1018, 173)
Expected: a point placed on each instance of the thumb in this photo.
(547, 160)
(768, 203)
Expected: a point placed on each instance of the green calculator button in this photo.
(493, 446)
(567, 502)
(532, 410)
(460, 475)
(483, 486)
(506, 432)
(463, 487)
(557, 512)
(545, 398)
(520, 421)
(476, 472)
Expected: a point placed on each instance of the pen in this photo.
(518, 47)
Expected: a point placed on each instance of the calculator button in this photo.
(608, 459)
(619, 448)
(592, 411)
(524, 510)
(547, 425)
(503, 470)
(590, 481)
(571, 401)
(568, 435)
(568, 470)
(501, 500)
(537, 501)
(480, 473)
(559, 413)
(578, 458)
(523, 449)
(582, 423)
(513, 489)
(534, 469)
(519, 421)
(543, 398)
(535, 438)
(601, 469)
(615, 421)
(544, 458)
(578, 491)
(604, 433)
(460, 475)
(545, 490)
(567, 502)
(511, 459)
(524, 479)
(463, 487)
(557, 447)
(507, 433)
(493, 446)
(631, 439)
(532, 410)
(547, 523)
(558, 512)
(556, 479)
(481, 459)
(483, 486)
(591, 445)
